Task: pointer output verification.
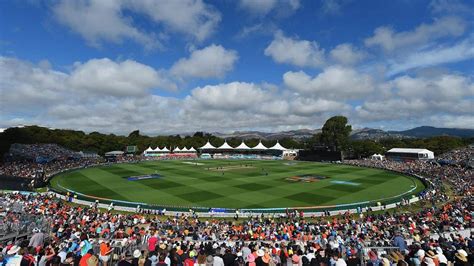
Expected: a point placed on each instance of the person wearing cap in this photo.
(13, 258)
(267, 259)
(37, 239)
(461, 258)
(209, 260)
(258, 259)
(432, 255)
(136, 257)
(84, 246)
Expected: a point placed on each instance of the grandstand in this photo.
(166, 153)
(409, 154)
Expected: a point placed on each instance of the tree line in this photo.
(335, 133)
(102, 143)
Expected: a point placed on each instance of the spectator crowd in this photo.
(438, 233)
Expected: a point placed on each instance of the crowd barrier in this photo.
(204, 212)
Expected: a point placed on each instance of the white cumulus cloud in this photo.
(100, 21)
(347, 54)
(263, 7)
(228, 96)
(389, 40)
(213, 61)
(335, 82)
(127, 78)
(293, 51)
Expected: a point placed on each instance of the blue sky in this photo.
(181, 66)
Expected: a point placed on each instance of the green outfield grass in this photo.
(237, 184)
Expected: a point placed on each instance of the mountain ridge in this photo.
(363, 133)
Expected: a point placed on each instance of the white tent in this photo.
(157, 149)
(192, 149)
(278, 147)
(207, 146)
(260, 146)
(225, 146)
(184, 149)
(177, 149)
(243, 146)
(377, 156)
(148, 149)
(165, 149)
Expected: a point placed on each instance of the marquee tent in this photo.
(207, 146)
(243, 146)
(278, 147)
(225, 146)
(260, 146)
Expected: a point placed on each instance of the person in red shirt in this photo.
(83, 261)
(152, 242)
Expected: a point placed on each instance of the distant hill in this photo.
(426, 132)
(292, 134)
(372, 133)
(364, 133)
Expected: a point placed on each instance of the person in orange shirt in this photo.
(105, 252)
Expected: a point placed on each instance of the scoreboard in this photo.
(131, 149)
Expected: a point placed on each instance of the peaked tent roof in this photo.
(165, 149)
(184, 149)
(149, 149)
(157, 149)
(177, 149)
(260, 146)
(192, 149)
(243, 146)
(225, 146)
(278, 146)
(207, 146)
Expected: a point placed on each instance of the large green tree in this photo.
(365, 148)
(335, 132)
